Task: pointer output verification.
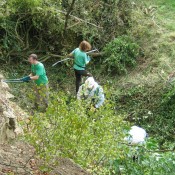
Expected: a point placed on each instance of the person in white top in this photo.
(91, 91)
(137, 135)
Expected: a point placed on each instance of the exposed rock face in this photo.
(9, 127)
(18, 157)
(68, 167)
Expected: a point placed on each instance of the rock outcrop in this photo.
(9, 115)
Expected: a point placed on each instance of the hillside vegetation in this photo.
(136, 43)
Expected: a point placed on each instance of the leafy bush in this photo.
(43, 27)
(23, 5)
(77, 131)
(152, 107)
(148, 161)
(93, 139)
(120, 54)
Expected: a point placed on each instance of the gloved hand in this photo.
(25, 79)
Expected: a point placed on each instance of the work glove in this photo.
(26, 79)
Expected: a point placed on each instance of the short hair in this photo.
(34, 56)
(85, 46)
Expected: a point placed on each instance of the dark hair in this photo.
(34, 56)
(85, 46)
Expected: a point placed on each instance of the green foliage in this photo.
(139, 106)
(68, 129)
(120, 54)
(23, 5)
(28, 26)
(93, 139)
(147, 162)
(77, 131)
(166, 115)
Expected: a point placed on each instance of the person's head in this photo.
(90, 83)
(85, 46)
(33, 58)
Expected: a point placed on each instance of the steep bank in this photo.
(17, 157)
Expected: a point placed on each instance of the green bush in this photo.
(120, 54)
(148, 161)
(23, 5)
(77, 131)
(93, 139)
(28, 26)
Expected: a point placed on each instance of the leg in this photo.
(78, 74)
(44, 96)
(78, 80)
(85, 73)
(37, 97)
(41, 97)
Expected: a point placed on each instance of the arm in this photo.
(38, 73)
(34, 77)
(70, 55)
(101, 98)
(30, 77)
(87, 59)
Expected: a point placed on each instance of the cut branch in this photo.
(73, 25)
(96, 54)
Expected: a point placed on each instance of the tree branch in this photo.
(68, 14)
(79, 19)
(96, 54)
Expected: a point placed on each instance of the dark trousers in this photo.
(78, 75)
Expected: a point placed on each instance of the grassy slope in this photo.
(139, 93)
(157, 40)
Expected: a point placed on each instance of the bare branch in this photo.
(80, 20)
(68, 14)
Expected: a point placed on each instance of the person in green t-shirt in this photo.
(80, 61)
(38, 74)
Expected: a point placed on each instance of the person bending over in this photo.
(91, 91)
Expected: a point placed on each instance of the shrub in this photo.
(77, 131)
(93, 139)
(120, 54)
(148, 161)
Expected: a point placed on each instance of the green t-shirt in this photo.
(39, 70)
(80, 59)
